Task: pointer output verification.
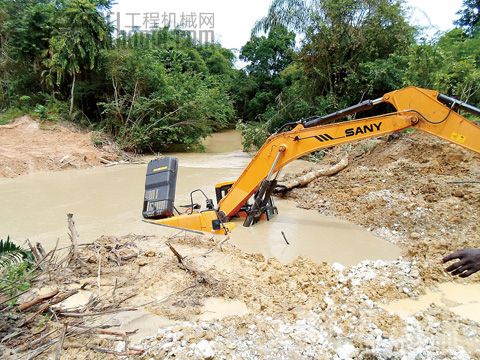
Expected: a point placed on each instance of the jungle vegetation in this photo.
(59, 59)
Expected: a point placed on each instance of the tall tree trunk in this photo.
(72, 94)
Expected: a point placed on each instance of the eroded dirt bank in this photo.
(27, 146)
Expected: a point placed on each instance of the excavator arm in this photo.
(418, 108)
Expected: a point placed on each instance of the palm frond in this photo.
(11, 253)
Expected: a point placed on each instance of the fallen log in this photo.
(304, 180)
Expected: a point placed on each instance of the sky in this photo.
(233, 20)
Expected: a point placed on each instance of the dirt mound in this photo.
(301, 310)
(417, 191)
(27, 146)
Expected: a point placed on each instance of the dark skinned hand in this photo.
(468, 264)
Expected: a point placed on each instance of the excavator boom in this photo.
(415, 107)
(426, 110)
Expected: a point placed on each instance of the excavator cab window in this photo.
(222, 189)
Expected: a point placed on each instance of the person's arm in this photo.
(468, 264)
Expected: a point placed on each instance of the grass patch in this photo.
(10, 114)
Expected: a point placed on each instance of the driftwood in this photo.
(109, 163)
(310, 176)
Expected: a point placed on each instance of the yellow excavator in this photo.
(250, 196)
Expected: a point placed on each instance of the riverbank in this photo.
(27, 146)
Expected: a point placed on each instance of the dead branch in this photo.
(176, 253)
(36, 254)
(32, 317)
(63, 296)
(99, 272)
(128, 297)
(36, 342)
(115, 332)
(188, 267)
(29, 304)
(81, 315)
(58, 353)
(129, 352)
(219, 245)
(41, 250)
(73, 234)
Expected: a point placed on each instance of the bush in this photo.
(254, 135)
(10, 114)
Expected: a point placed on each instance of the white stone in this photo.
(377, 333)
(328, 301)
(120, 346)
(205, 349)
(337, 330)
(356, 282)
(338, 267)
(346, 351)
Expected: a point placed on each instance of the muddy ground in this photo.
(221, 303)
(27, 145)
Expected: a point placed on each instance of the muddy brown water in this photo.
(108, 201)
(461, 299)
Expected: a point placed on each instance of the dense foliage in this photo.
(58, 59)
(353, 49)
(149, 91)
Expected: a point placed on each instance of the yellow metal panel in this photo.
(196, 221)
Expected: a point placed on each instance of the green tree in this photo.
(340, 35)
(81, 32)
(266, 57)
(167, 91)
(469, 16)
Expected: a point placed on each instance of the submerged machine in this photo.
(250, 196)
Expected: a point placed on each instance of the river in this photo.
(108, 201)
